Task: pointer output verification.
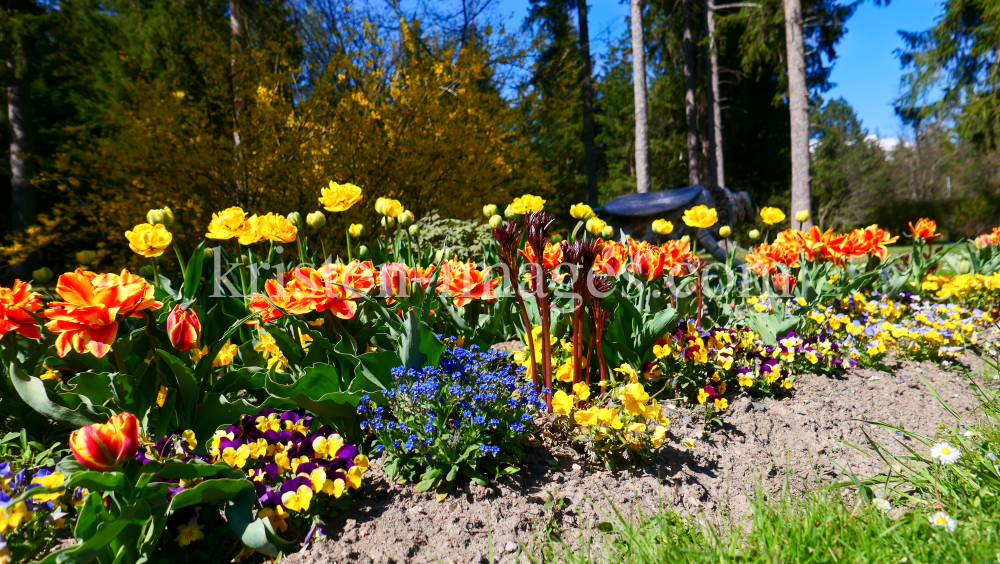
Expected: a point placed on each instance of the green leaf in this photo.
(192, 271)
(123, 530)
(256, 534)
(32, 390)
(216, 411)
(179, 376)
(211, 492)
(319, 390)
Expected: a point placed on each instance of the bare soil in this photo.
(770, 443)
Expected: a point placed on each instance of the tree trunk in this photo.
(714, 110)
(23, 205)
(642, 181)
(689, 108)
(589, 148)
(238, 30)
(798, 105)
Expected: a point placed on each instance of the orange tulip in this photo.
(308, 290)
(612, 258)
(648, 263)
(552, 255)
(783, 282)
(87, 321)
(183, 328)
(676, 255)
(103, 446)
(924, 229)
(15, 303)
(465, 283)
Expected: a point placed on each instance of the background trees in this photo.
(129, 105)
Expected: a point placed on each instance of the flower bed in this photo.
(243, 382)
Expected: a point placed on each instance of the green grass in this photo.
(816, 528)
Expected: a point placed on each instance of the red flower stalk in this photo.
(582, 254)
(536, 226)
(508, 237)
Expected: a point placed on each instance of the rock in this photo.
(510, 547)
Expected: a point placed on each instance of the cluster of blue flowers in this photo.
(474, 404)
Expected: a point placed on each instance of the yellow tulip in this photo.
(490, 210)
(700, 216)
(772, 215)
(662, 227)
(229, 223)
(340, 197)
(725, 231)
(149, 240)
(356, 230)
(527, 203)
(595, 226)
(802, 216)
(581, 211)
(389, 207)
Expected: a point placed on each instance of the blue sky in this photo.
(867, 73)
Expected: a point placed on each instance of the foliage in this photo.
(464, 418)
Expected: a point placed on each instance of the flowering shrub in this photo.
(463, 418)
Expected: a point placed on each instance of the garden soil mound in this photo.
(770, 443)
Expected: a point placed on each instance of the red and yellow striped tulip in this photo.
(103, 446)
(183, 328)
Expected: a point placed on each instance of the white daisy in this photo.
(882, 504)
(941, 519)
(945, 453)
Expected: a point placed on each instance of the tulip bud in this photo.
(42, 275)
(725, 231)
(316, 220)
(85, 258)
(154, 217)
(414, 230)
(686, 239)
(168, 217)
(509, 213)
(802, 216)
(449, 254)
(608, 233)
(362, 251)
(388, 222)
(380, 206)
(146, 271)
(209, 253)
(295, 218)
(555, 239)
(438, 256)
(405, 219)
(183, 328)
(103, 446)
(356, 230)
(490, 210)
(496, 221)
(754, 234)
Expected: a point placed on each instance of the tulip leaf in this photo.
(180, 377)
(655, 328)
(32, 390)
(418, 346)
(256, 534)
(374, 373)
(211, 492)
(192, 271)
(320, 390)
(216, 411)
(126, 526)
(189, 470)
